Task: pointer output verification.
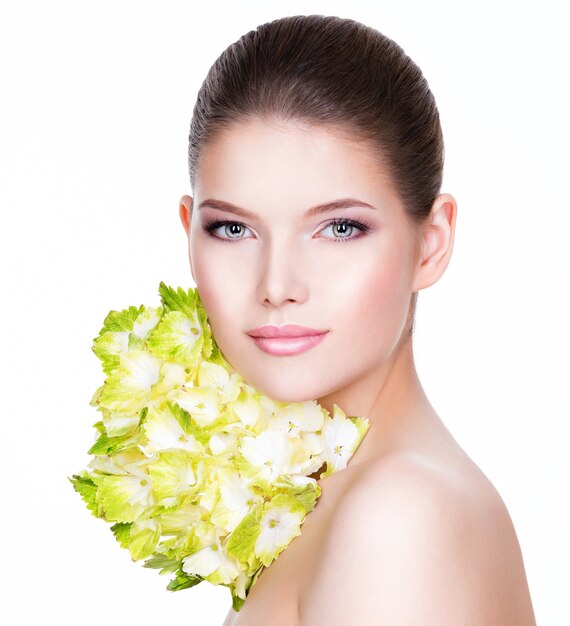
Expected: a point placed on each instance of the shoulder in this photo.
(411, 542)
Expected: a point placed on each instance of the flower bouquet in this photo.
(202, 476)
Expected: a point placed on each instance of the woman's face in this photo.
(287, 262)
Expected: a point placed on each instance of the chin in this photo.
(285, 391)
(290, 397)
(284, 382)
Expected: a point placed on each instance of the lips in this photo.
(286, 340)
(285, 331)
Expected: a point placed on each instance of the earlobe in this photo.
(185, 211)
(436, 242)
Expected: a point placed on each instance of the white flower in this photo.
(202, 474)
(235, 502)
(212, 375)
(164, 432)
(248, 411)
(298, 417)
(270, 452)
(341, 437)
(145, 322)
(279, 525)
(201, 402)
(212, 563)
(220, 442)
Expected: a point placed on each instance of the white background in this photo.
(95, 109)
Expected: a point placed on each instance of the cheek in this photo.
(221, 292)
(216, 264)
(210, 281)
(222, 318)
(385, 285)
(380, 298)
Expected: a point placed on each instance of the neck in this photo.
(391, 397)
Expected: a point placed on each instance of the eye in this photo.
(343, 228)
(232, 229)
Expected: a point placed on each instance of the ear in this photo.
(436, 242)
(185, 211)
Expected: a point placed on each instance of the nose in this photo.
(282, 276)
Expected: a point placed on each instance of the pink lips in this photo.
(286, 340)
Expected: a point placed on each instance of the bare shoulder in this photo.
(413, 542)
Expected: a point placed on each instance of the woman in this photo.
(316, 161)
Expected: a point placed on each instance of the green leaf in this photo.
(163, 563)
(123, 497)
(183, 581)
(118, 321)
(144, 413)
(127, 388)
(122, 533)
(188, 424)
(189, 303)
(87, 489)
(139, 540)
(178, 299)
(99, 427)
(241, 541)
(173, 474)
(237, 602)
(177, 337)
(114, 337)
(307, 496)
(111, 445)
(136, 343)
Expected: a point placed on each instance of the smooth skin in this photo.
(422, 537)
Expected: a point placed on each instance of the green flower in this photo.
(199, 473)
(342, 436)
(280, 523)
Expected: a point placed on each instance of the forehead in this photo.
(259, 161)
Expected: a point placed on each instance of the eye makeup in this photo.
(362, 226)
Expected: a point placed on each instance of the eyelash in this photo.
(362, 226)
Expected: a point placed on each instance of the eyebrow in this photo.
(343, 203)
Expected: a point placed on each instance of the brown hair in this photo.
(330, 71)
